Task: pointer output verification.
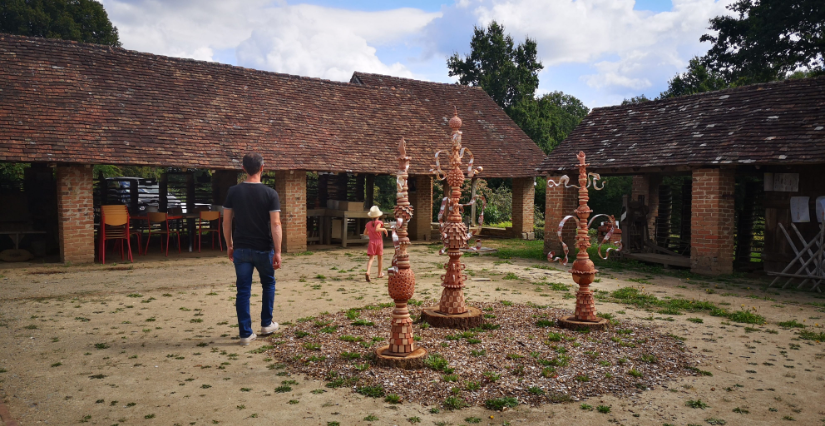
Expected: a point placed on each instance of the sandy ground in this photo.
(155, 342)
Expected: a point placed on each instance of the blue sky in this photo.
(600, 51)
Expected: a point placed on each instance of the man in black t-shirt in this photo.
(255, 243)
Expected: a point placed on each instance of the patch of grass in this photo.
(554, 337)
(454, 403)
(350, 355)
(715, 421)
(604, 409)
(363, 323)
(436, 362)
(635, 373)
(535, 390)
(283, 389)
(472, 420)
(650, 359)
(746, 317)
(545, 323)
(696, 320)
(393, 399)
(497, 404)
(376, 391)
(792, 324)
(371, 418)
(811, 335)
(696, 403)
(348, 338)
(510, 276)
(478, 353)
(491, 376)
(101, 346)
(312, 346)
(413, 419)
(700, 372)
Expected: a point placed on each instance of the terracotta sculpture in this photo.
(401, 351)
(455, 236)
(583, 269)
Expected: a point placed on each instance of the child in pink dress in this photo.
(376, 246)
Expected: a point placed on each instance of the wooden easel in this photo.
(810, 260)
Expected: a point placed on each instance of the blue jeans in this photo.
(245, 261)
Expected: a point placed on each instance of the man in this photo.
(256, 243)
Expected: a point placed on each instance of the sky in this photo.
(600, 51)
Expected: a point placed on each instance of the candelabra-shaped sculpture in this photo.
(452, 312)
(402, 351)
(583, 269)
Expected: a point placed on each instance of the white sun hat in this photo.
(375, 212)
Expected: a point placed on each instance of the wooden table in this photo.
(325, 217)
(18, 235)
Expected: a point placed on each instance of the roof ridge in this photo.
(747, 87)
(357, 73)
(153, 56)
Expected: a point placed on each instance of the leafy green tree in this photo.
(767, 40)
(549, 119)
(79, 20)
(696, 79)
(636, 100)
(508, 73)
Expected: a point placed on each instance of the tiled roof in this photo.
(497, 143)
(772, 123)
(67, 102)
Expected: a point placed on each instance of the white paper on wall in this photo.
(786, 182)
(799, 209)
(820, 209)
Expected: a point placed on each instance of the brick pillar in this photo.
(559, 202)
(422, 202)
(648, 186)
(711, 221)
(222, 180)
(524, 194)
(292, 190)
(75, 214)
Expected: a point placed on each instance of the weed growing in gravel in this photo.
(454, 403)
(697, 403)
(393, 399)
(497, 404)
(376, 391)
(604, 409)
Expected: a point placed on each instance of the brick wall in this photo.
(559, 202)
(75, 214)
(711, 221)
(523, 206)
(422, 202)
(292, 190)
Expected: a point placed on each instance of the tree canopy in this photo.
(549, 119)
(508, 73)
(696, 79)
(79, 20)
(768, 40)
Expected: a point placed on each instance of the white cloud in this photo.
(629, 49)
(302, 39)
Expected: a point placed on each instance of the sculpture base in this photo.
(412, 361)
(571, 323)
(470, 319)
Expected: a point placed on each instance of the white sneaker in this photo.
(247, 340)
(271, 328)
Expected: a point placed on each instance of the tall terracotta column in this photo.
(452, 311)
(401, 351)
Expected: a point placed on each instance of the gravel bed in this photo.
(520, 352)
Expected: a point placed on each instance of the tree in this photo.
(636, 100)
(697, 79)
(768, 40)
(549, 119)
(79, 20)
(508, 73)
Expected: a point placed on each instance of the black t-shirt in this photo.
(251, 204)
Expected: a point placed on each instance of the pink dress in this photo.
(376, 246)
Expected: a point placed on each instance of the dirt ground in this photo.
(155, 342)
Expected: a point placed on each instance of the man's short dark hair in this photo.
(252, 163)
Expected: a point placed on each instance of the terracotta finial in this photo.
(455, 122)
